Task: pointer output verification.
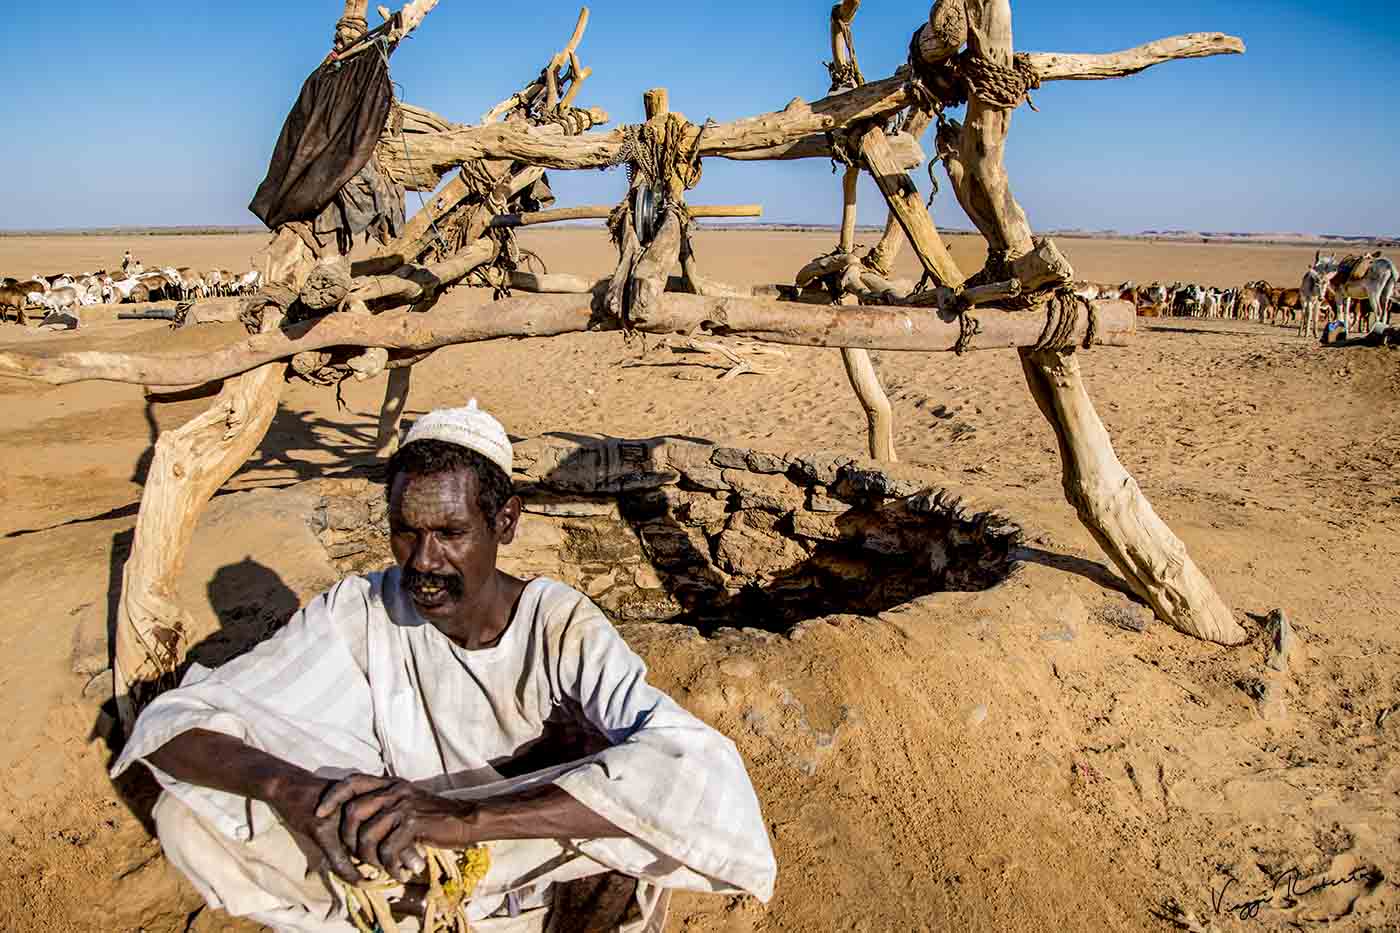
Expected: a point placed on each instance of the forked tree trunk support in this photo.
(1112, 507)
(1107, 500)
(189, 465)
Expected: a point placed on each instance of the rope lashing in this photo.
(968, 327)
(934, 87)
(948, 83)
(573, 120)
(844, 75)
(349, 30)
(657, 151)
(657, 157)
(1061, 318)
(998, 86)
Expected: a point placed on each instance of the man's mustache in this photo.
(415, 581)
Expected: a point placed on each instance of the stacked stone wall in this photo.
(678, 529)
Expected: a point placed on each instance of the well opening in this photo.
(679, 530)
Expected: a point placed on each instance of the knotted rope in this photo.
(656, 150)
(949, 83)
(349, 30)
(657, 157)
(998, 86)
(968, 327)
(844, 75)
(1061, 318)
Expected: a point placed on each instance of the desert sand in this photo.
(1008, 760)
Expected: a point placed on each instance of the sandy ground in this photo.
(1009, 760)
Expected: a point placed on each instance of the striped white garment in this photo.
(357, 681)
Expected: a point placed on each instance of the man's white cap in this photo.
(468, 427)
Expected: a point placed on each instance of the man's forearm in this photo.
(540, 813)
(222, 762)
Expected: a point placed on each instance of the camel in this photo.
(1376, 283)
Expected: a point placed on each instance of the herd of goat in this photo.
(1256, 301)
(67, 293)
(1357, 291)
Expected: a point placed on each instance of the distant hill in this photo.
(191, 230)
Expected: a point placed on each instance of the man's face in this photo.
(444, 544)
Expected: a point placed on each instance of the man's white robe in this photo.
(357, 681)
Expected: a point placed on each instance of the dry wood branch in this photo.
(738, 365)
(904, 147)
(860, 368)
(188, 466)
(391, 410)
(580, 75)
(548, 81)
(904, 201)
(843, 53)
(570, 47)
(441, 151)
(409, 18)
(979, 179)
(1114, 510)
(406, 162)
(455, 320)
(415, 282)
(1081, 66)
(882, 255)
(421, 232)
(551, 284)
(603, 211)
(794, 132)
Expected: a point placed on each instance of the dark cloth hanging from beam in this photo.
(328, 137)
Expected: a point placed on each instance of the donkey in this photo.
(1376, 284)
(1313, 296)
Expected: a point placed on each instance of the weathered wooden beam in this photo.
(1082, 66)
(798, 120)
(409, 19)
(457, 318)
(1112, 507)
(603, 211)
(907, 152)
(413, 283)
(906, 205)
(1107, 500)
(188, 465)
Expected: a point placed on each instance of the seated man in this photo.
(425, 705)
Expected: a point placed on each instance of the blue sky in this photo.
(165, 113)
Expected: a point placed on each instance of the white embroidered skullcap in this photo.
(468, 427)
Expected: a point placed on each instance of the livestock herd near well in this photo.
(64, 295)
(1357, 291)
